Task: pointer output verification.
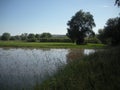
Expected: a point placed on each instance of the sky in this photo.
(38, 16)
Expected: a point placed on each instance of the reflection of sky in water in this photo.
(25, 67)
(22, 68)
(88, 51)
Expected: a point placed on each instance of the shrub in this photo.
(54, 40)
(92, 40)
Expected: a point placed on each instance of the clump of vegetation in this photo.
(111, 32)
(80, 26)
(5, 36)
(55, 40)
(98, 71)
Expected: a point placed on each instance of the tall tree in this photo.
(80, 25)
(5, 36)
(111, 32)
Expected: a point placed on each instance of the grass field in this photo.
(47, 45)
(98, 71)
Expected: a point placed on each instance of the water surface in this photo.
(22, 68)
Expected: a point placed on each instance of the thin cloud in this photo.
(106, 6)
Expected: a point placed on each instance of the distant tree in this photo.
(112, 30)
(24, 36)
(5, 36)
(37, 36)
(45, 35)
(31, 37)
(0, 37)
(12, 38)
(17, 37)
(80, 25)
(117, 2)
(101, 36)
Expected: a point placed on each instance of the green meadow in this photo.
(48, 44)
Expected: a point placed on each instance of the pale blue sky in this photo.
(37, 16)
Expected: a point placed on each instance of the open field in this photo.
(47, 45)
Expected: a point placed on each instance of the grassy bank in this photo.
(47, 45)
(98, 71)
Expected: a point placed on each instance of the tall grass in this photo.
(98, 71)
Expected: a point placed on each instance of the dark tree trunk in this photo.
(80, 41)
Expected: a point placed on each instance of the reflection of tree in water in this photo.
(74, 54)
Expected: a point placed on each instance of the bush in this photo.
(32, 40)
(54, 40)
(92, 40)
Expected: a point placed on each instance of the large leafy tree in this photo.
(80, 25)
(112, 30)
(5, 36)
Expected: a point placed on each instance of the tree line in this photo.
(79, 32)
(31, 37)
(44, 37)
(25, 36)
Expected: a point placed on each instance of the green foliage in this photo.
(37, 36)
(5, 36)
(15, 37)
(111, 32)
(80, 25)
(31, 38)
(24, 36)
(98, 71)
(54, 40)
(100, 36)
(45, 35)
(50, 38)
(92, 40)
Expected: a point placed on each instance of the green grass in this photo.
(98, 71)
(47, 45)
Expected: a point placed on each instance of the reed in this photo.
(98, 71)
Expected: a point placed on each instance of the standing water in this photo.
(22, 68)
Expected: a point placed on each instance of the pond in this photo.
(22, 68)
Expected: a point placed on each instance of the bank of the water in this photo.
(47, 45)
(98, 71)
